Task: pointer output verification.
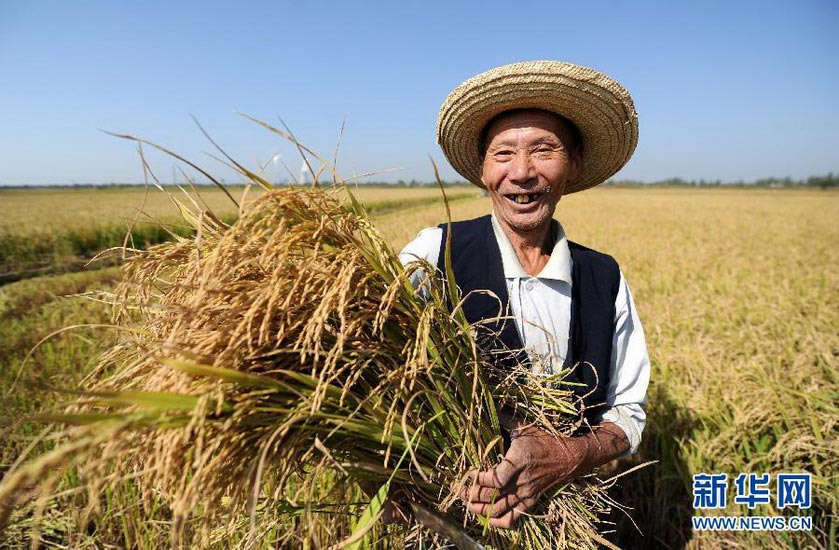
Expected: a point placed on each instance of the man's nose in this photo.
(522, 168)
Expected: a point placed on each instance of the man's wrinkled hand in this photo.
(535, 462)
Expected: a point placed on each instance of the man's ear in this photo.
(576, 166)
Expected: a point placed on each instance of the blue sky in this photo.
(724, 90)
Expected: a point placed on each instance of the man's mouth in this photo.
(523, 198)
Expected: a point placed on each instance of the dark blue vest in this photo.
(595, 278)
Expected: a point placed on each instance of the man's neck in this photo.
(533, 248)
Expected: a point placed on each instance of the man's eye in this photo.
(503, 153)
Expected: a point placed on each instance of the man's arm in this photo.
(629, 371)
(536, 462)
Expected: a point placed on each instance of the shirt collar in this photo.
(558, 266)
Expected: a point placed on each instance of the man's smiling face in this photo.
(530, 157)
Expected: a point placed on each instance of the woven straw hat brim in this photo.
(600, 108)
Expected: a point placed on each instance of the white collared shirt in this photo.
(541, 307)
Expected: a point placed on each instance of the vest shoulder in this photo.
(468, 242)
(475, 224)
(599, 259)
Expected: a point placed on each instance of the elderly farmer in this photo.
(530, 133)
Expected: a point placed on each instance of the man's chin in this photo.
(526, 224)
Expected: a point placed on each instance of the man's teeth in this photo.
(524, 199)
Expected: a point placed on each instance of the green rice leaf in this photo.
(375, 510)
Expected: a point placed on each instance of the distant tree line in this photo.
(829, 180)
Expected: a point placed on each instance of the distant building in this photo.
(306, 174)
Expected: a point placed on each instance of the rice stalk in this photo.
(274, 370)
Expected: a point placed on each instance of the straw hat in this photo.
(600, 108)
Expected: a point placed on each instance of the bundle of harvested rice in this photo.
(271, 373)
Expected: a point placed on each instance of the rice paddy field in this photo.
(738, 291)
(48, 230)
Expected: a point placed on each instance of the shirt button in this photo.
(529, 285)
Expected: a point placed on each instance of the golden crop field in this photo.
(54, 229)
(52, 210)
(737, 289)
